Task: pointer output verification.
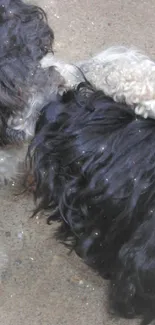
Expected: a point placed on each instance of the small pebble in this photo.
(80, 282)
(75, 279)
(18, 262)
(20, 235)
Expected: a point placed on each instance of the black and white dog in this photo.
(25, 39)
(93, 161)
(30, 77)
(93, 158)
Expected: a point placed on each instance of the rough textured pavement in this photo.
(40, 284)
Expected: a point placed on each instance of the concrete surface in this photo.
(40, 284)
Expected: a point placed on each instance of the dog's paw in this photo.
(146, 109)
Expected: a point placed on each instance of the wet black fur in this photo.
(94, 160)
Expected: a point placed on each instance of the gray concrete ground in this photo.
(40, 283)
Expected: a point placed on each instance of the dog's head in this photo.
(25, 39)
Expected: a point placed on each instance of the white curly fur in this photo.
(125, 74)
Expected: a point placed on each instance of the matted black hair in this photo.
(93, 159)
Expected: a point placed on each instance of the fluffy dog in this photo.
(93, 163)
(30, 77)
(25, 39)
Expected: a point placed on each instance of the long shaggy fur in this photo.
(93, 162)
(30, 76)
(25, 39)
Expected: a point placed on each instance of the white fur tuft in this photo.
(127, 75)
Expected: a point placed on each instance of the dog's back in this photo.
(95, 159)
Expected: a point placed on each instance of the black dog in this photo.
(93, 162)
